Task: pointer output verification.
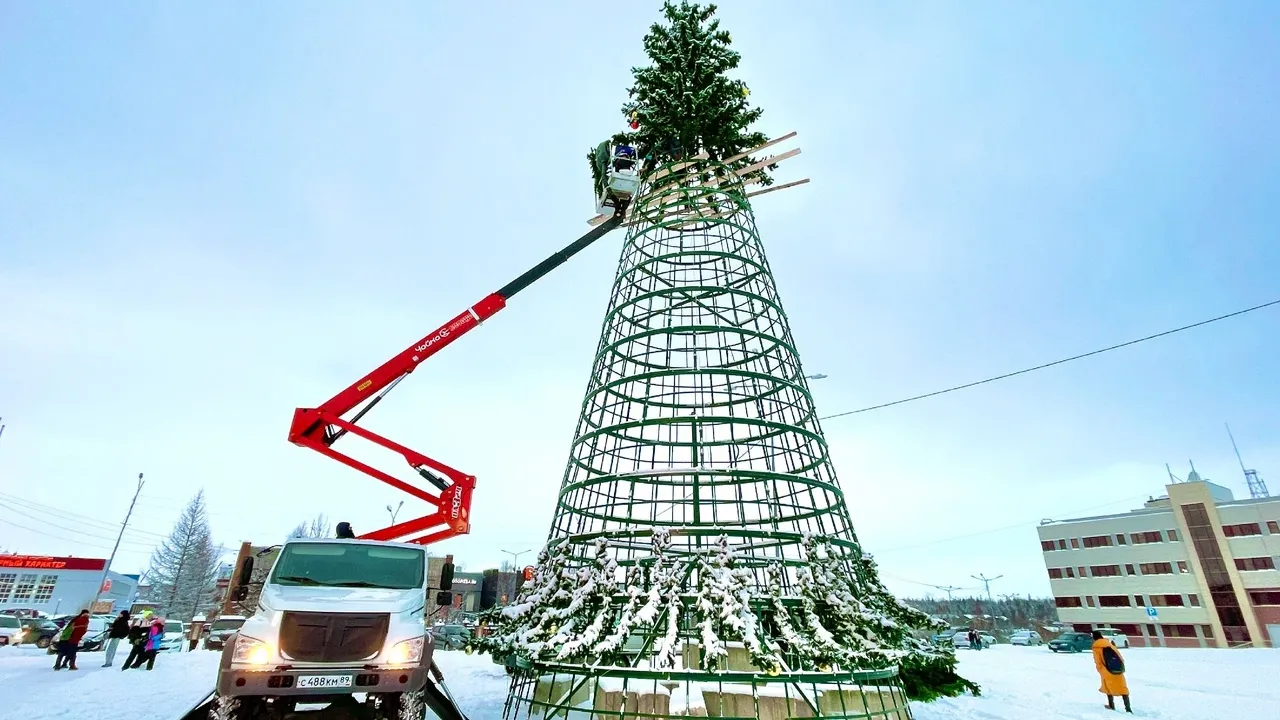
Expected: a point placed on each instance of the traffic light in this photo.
(489, 590)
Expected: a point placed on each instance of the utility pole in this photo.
(103, 580)
(986, 583)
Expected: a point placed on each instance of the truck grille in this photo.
(331, 637)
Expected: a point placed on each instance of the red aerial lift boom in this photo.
(320, 427)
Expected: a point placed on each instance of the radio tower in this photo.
(1257, 488)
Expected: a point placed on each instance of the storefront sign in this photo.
(39, 562)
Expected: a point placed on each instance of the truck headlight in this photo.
(409, 651)
(251, 651)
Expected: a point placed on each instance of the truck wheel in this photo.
(401, 706)
(227, 707)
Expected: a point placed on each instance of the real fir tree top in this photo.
(685, 102)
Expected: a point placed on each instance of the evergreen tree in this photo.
(184, 567)
(685, 102)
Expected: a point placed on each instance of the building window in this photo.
(1146, 537)
(1130, 630)
(1241, 530)
(1120, 538)
(1179, 631)
(1151, 631)
(1273, 527)
(1156, 568)
(1166, 601)
(1055, 573)
(6, 586)
(1255, 563)
(1062, 544)
(1194, 599)
(1265, 597)
(1137, 601)
(1104, 570)
(1080, 571)
(1097, 541)
(44, 591)
(22, 591)
(1112, 601)
(1208, 631)
(1222, 594)
(1070, 572)
(1075, 544)
(1182, 567)
(1047, 546)
(1173, 536)
(1089, 599)
(1067, 602)
(1129, 570)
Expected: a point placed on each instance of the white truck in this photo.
(341, 623)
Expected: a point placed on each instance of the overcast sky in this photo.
(211, 214)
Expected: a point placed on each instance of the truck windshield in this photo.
(228, 624)
(350, 565)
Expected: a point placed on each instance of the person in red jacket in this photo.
(69, 641)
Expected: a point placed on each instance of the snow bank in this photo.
(1017, 682)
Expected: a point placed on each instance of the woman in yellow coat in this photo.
(1111, 669)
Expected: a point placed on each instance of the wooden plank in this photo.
(679, 166)
(767, 161)
(778, 187)
(757, 149)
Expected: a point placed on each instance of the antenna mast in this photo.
(1257, 488)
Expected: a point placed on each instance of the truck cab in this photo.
(335, 619)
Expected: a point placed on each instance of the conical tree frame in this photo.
(699, 465)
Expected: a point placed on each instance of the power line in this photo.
(1051, 364)
(73, 530)
(999, 529)
(94, 523)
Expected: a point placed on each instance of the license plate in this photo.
(324, 681)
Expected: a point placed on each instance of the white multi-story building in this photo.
(1196, 568)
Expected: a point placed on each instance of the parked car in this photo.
(175, 636)
(39, 632)
(1025, 637)
(1071, 642)
(10, 630)
(221, 629)
(961, 639)
(450, 637)
(94, 637)
(1116, 637)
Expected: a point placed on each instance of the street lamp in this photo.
(395, 511)
(515, 557)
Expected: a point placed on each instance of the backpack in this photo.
(1111, 660)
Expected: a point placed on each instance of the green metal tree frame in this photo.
(698, 425)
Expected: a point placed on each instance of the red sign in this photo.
(39, 562)
(106, 585)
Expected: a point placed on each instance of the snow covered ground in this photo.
(1018, 684)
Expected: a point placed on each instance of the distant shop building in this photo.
(62, 585)
(1194, 568)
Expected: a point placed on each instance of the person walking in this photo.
(137, 644)
(118, 631)
(69, 641)
(154, 637)
(1110, 666)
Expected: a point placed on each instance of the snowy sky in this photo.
(213, 214)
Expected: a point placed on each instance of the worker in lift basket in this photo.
(344, 531)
